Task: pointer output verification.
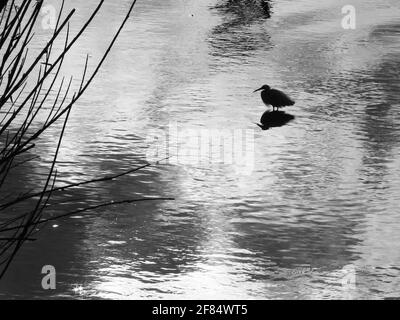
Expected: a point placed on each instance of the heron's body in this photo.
(276, 98)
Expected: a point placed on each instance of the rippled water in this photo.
(322, 198)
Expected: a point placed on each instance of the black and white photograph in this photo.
(199, 150)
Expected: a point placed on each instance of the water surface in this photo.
(324, 192)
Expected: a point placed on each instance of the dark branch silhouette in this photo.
(20, 109)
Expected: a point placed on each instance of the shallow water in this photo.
(321, 196)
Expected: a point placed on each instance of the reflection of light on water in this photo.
(207, 282)
(312, 187)
(79, 290)
(216, 281)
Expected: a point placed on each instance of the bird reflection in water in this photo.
(277, 99)
(271, 119)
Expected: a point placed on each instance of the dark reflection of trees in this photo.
(249, 10)
(155, 237)
(322, 246)
(60, 247)
(233, 38)
(380, 122)
(159, 239)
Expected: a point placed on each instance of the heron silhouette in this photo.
(271, 119)
(276, 98)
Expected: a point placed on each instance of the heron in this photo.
(274, 97)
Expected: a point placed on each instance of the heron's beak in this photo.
(257, 90)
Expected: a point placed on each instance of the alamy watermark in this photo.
(349, 19)
(49, 280)
(49, 17)
(186, 146)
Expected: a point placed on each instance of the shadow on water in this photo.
(320, 245)
(124, 240)
(381, 120)
(248, 9)
(235, 37)
(271, 119)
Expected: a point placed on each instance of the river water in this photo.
(315, 202)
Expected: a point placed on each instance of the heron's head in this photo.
(264, 87)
